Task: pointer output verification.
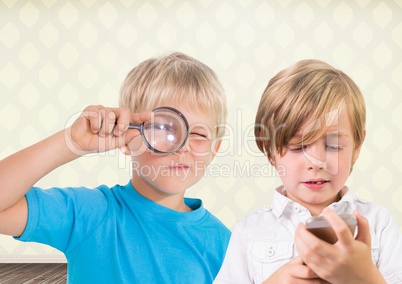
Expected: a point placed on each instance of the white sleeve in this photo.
(235, 268)
(390, 252)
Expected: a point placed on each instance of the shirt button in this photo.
(270, 252)
(297, 209)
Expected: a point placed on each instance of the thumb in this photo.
(124, 141)
(297, 260)
(130, 135)
(363, 232)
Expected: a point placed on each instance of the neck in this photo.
(314, 209)
(171, 201)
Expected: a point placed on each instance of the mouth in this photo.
(315, 184)
(179, 167)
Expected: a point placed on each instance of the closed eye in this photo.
(198, 136)
(297, 148)
(333, 147)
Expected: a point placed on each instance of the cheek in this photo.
(202, 161)
(285, 169)
(200, 165)
(339, 164)
(137, 147)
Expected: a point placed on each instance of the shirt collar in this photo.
(149, 207)
(347, 204)
(282, 203)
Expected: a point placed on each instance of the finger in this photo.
(300, 270)
(363, 232)
(141, 117)
(137, 118)
(310, 241)
(340, 228)
(296, 260)
(300, 238)
(93, 118)
(122, 120)
(314, 251)
(109, 122)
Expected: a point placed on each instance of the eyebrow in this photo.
(338, 134)
(199, 127)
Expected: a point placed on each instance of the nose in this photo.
(185, 147)
(316, 157)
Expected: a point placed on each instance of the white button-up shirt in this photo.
(263, 241)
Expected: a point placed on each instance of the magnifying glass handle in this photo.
(134, 126)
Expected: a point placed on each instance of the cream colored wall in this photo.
(56, 57)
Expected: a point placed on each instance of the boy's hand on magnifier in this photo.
(348, 260)
(100, 129)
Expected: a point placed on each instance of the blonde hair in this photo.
(175, 78)
(303, 94)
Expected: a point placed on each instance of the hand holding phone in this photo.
(320, 227)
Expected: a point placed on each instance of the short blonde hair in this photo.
(302, 94)
(175, 78)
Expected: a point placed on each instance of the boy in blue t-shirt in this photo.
(145, 231)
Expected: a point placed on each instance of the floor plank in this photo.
(33, 273)
(9, 269)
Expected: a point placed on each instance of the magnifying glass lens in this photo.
(167, 131)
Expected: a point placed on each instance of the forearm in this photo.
(20, 171)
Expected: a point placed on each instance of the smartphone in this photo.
(320, 227)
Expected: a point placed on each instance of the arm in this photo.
(389, 241)
(98, 129)
(295, 271)
(347, 261)
(20, 171)
(235, 268)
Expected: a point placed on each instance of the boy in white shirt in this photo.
(311, 125)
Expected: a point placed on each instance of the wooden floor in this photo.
(33, 273)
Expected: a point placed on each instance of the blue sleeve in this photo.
(63, 218)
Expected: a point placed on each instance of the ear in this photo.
(356, 152)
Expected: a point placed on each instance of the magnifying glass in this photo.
(166, 132)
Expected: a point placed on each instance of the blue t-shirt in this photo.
(115, 235)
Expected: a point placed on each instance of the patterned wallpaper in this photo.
(56, 57)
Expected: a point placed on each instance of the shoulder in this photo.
(81, 210)
(378, 216)
(371, 209)
(93, 199)
(258, 222)
(203, 218)
(259, 215)
(70, 192)
(215, 222)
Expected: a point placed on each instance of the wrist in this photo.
(72, 148)
(374, 276)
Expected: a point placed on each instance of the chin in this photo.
(171, 191)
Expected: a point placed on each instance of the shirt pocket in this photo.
(267, 256)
